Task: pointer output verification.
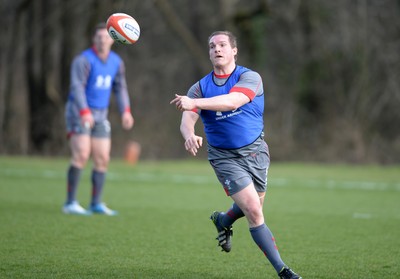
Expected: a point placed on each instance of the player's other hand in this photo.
(183, 102)
(87, 120)
(193, 143)
(127, 120)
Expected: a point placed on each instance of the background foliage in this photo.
(330, 71)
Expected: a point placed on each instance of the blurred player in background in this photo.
(95, 73)
(230, 102)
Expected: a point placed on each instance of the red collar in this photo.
(221, 76)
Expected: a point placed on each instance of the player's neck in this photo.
(224, 70)
(101, 53)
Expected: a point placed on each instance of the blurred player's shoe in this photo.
(224, 234)
(101, 208)
(74, 208)
(287, 273)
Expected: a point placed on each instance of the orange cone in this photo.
(132, 152)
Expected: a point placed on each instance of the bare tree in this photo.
(330, 71)
(184, 33)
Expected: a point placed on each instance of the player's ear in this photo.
(235, 51)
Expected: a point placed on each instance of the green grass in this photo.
(330, 221)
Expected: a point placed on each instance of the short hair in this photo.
(99, 26)
(232, 38)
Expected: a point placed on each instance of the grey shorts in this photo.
(236, 173)
(99, 130)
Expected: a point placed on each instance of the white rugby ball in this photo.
(123, 28)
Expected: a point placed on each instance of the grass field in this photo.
(330, 221)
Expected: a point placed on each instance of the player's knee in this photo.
(80, 160)
(254, 215)
(101, 163)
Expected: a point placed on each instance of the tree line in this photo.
(330, 72)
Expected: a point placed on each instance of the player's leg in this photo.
(101, 148)
(252, 199)
(249, 201)
(233, 179)
(227, 218)
(80, 152)
(234, 213)
(79, 143)
(101, 157)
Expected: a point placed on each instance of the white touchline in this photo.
(329, 184)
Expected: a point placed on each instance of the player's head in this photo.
(222, 48)
(232, 39)
(101, 39)
(99, 26)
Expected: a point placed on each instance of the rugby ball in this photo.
(123, 28)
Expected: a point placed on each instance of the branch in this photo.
(184, 33)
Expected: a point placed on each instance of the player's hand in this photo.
(193, 143)
(87, 120)
(183, 102)
(127, 120)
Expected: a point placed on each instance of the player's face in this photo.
(102, 40)
(221, 51)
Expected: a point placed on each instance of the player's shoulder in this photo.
(195, 85)
(89, 52)
(115, 55)
(194, 91)
(251, 74)
(85, 57)
(81, 60)
(242, 70)
(115, 58)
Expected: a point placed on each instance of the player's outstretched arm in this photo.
(224, 102)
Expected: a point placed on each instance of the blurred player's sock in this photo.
(73, 177)
(97, 186)
(264, 239)
(228, 218)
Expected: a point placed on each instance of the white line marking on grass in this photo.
(357, 215)
(112, 176)
(157, 177)
(335, 184)
(211, 179)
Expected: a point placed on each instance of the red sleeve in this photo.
(246, 91)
